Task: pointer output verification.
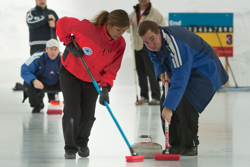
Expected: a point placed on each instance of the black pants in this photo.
(36, 95)
(79, 110)
(183, 129)
(145, 68)
(32, 51)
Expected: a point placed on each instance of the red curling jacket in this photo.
(102, 55)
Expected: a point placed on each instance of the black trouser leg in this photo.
(142, 76)
(51, 96)
(88, 104)
(184, 124)
(84, 132)
(51, 90)
(35, 95)
(79, 105)
(189, 123)
(33, 50)
(145, 69)
(154, 84)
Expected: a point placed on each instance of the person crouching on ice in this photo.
(41, 74)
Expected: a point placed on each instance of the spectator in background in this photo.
(42, 25)
(144, 66)
(41, 74)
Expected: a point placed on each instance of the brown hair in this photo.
(148, 25)
(117, 17)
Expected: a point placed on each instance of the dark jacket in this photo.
(194, 68)
(39, 30)
(40, 67)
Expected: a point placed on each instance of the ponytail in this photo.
(117, 17)
(101, 18)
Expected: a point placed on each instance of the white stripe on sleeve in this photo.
(33, 57)
(177, 52)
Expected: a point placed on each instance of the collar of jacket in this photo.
(104, 27)
(166, 40)
(40, 9)
(51, 61)
(136, 8)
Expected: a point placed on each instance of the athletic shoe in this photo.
(38, 108)
(193, 151)
(83, 151)
(54, 103)
(70, 155)
(142, 101)
(17, 87)
(174, 149)
(154, 102)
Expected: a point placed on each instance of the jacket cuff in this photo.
(108, 86)
(31, 82)
(46, 18)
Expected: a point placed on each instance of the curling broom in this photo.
(167, 156)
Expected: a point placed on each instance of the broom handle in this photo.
(166, 122)
(133, 53)
(106, 104)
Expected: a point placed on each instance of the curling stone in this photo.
(147, 148)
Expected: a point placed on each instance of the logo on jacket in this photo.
(87, 51)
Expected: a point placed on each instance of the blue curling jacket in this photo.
(194, 68)
(39, 30)
(40, 67)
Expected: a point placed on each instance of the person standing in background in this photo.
(144, 66)
(42, 27)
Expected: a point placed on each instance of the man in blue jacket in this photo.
(42, 25)
(41, 74)
(195, 73)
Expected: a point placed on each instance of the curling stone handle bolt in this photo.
(146, 136)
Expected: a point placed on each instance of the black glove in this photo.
(75, 50)
(104, 96)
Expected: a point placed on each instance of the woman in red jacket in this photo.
(103, 46)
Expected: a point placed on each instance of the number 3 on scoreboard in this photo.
(229, 39)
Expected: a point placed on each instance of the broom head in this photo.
(137, 158)
(54, 111)
(171, 157)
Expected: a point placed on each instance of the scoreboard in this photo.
(215, 28)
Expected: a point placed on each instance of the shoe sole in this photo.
(138, 104)
(153, 104)
(70, 157)
(83, 154)
(189, 155)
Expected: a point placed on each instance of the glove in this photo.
(104, 96)
(75, 50)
